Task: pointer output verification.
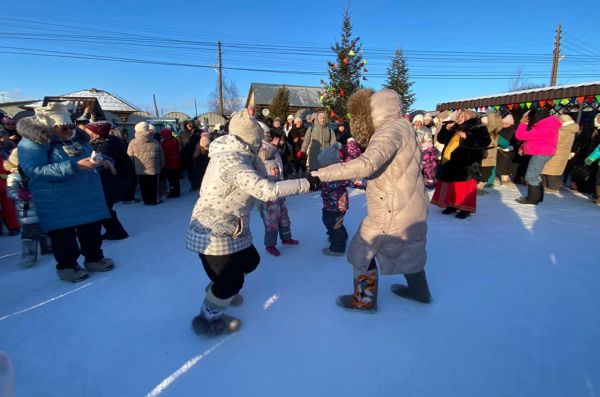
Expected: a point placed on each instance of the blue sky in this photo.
(445, 43)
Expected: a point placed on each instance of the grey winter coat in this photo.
(232, 183)
(146, 153)
(318, 137)
(25, 209)
(395, 228)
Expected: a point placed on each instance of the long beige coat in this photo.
(395, 228)
(566, 135)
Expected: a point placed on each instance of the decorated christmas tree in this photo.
(345, 74)
(397, 80)
(281, 102)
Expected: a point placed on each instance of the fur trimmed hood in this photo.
(361, 122)
(32, 129)
(369, 110)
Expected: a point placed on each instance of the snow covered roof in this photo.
(108, 101)
(536, 94)
(299, 95)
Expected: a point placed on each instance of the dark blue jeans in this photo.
(334, 222)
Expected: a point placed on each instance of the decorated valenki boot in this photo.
(417, 288)
(364, 298)
(212, 319)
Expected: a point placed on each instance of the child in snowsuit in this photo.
(32, 234)
(274, 213)
(335, 201)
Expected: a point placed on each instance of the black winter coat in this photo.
(295, 138)
(113, 149)
(465, 160)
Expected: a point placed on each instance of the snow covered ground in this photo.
(516, 312)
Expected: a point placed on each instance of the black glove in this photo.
(315, 182)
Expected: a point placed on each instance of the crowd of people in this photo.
(61, 178)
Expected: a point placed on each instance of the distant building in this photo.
(17, 109)
(261, 95)
(111, 104)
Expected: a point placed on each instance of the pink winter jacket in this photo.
(542, 139)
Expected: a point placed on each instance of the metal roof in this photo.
(108, 101)
(299, 95)
(536, 94)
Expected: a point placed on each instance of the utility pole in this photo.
(556, 57)
(220, 81)
(155, 107)
(196, 108)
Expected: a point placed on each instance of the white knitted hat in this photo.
(243, 126)
(418, 117)
(55, 113)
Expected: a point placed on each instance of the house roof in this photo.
(536, 94)
(108, 101)
(299, 95)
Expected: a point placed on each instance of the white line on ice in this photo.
(270, 301)
(7, 255)
(182, 370)
(45, 302)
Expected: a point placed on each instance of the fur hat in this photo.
(55, 113)
(290, 117)
(427, 116)
(142, 126)
(331, 155)
(246, 129)
(597, 121)
(418, 117)
(508, 119)
(100, 128)
(451, 117)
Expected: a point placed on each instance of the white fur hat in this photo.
(418, 117)
(142, 126)
(290, 117)
(451, 117)
(427, 116)
(55, 113)
(243, 126)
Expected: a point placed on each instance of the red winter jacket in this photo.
(170, 147)
(542, 139)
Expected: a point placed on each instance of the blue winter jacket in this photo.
(64, 196)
